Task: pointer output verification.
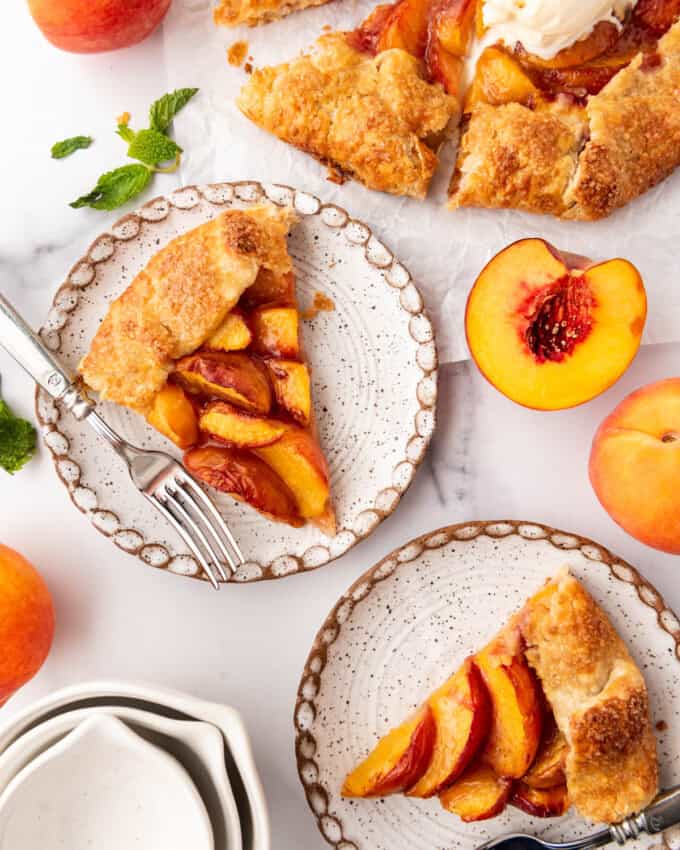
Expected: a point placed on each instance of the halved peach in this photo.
(549, 335)
(547, 770)
(269, 288)
(478, 795)
(231, 376)
(275, 331)
(397, 761)
(517, 713)
(245, 477)
(462, 713)
(174, 416)
(238, 428)
(540, 802)
(291, 383)
(499, 79)
(232, 335)
(298, 460)
(635, 465)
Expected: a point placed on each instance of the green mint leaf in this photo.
(152, 147)
(69, 146)
(164, 109)
(17, 440)
(125, 133)
(116, 187)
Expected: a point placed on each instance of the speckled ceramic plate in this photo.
(374, 381)
(408, 622)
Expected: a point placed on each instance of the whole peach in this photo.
(635, 465)
(26, 621)
(93, 26)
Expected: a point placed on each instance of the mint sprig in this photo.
(68, 146)
(152, 147)
(17, 440)
(164, 109)
(115, 187)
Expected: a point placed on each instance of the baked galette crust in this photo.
(577, 162)
(231, 13)
(374, 118)
(179, 299)
(598, 697)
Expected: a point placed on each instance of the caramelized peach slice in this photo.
(548, 335)
(478, 795)
(245, 477)
(397, 761)
(540, 802)
(499, 79)
(233, 377)
(291, 383)
(443, 67)
(232, 335)
(174, 416)
(238, 428)
(299, 462)
(406, 27)
(454, 22)
(516, 706)
(462, 714)
(602, 38)
(275, 331)
(657, 15)
(269, 288)
(547, 770)
(365, 36)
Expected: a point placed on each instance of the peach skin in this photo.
(635, 465)
(26, 622)
(548, 334)
(478, 795)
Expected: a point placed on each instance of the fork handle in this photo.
(663, 812)
(29, 351)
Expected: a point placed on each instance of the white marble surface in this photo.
(244, 645)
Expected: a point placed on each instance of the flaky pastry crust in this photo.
(598, 697)
(578, 163)
(373, 118)
(180, 298)
(232, 13)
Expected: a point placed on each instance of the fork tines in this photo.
(200, 525)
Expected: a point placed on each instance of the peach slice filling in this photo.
(398, 760)
(552, 331)
(480, 794)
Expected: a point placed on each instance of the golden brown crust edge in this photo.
(369, 117)
(180, 298)
(599, 699)
(232, 13)
(575, 164)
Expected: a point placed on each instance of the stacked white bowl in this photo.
(112, 764)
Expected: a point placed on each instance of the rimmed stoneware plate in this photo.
(408, 622)
(374, 381)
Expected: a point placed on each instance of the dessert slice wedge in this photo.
(559, 655)
(193, 345)
(373, 104)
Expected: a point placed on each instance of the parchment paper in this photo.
(443, 250)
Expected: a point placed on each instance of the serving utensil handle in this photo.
(28, 350)
(659, 815)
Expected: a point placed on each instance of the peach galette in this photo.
(205, 344)
(572, 109)
(553, 330)
(373, 103)
(552, 712)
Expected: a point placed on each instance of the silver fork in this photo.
(159, 477)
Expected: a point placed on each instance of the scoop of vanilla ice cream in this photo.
(547, 26)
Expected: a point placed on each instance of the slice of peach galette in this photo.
(205, 344)
(553, 711)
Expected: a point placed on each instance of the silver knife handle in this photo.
(29, 351)
(663, 812)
